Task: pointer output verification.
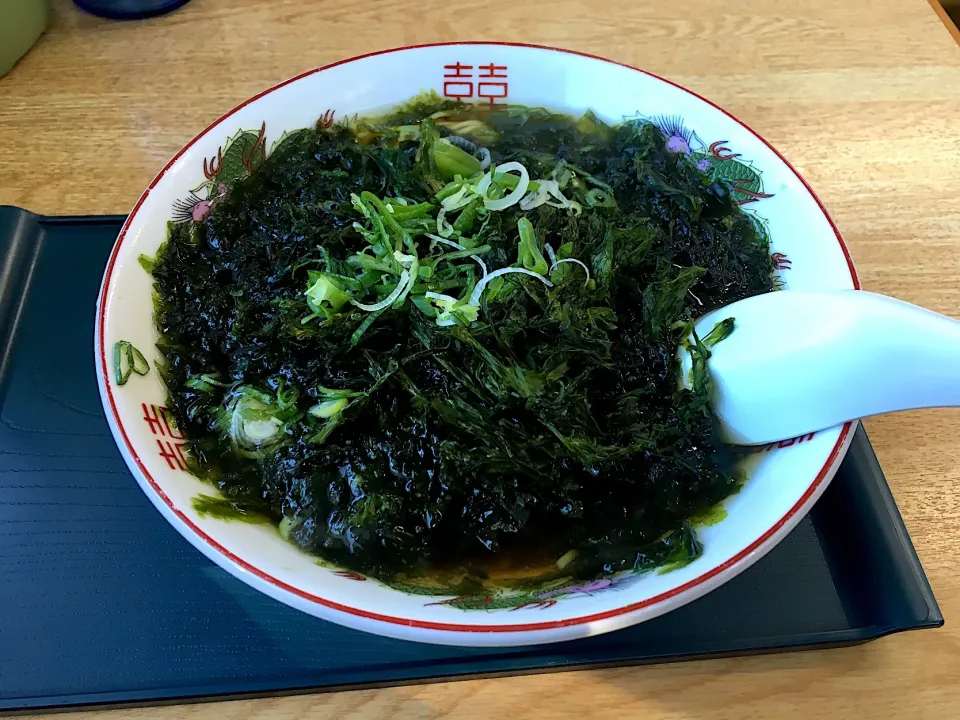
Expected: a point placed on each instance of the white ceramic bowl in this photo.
(784, 483)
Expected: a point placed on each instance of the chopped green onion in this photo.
(411, 261)
(452, 161)
(388, 300)
(514, 196)
(140, 364)
(256, 422)
(364, 326)
(468, 215)
(205, 383)
(468, 253)
(550, 254)
(325, 295)
(578, 262)
(600, 198)
(529, 248)
(478, 290)
(126, 360)
(542, 196)
(462, 251)
(285, 527)
(443, 227)
(329, 408)
(561, 200)
(321, 436)
(287, 396)
(369, 263)
(449, 189)
(402, 213)
(511, 181)
(404, 259)
(459, 199)
(335, 393)
(453, 310)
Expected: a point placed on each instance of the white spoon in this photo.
(798, 362)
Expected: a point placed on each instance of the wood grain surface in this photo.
(862, 96)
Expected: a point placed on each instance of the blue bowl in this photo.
(129, 9)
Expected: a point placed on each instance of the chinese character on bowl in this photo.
(475, 83)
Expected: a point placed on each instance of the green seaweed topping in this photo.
(406, 382)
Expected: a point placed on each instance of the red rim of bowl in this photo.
(825, 471)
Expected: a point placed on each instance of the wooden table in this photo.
(863, 97)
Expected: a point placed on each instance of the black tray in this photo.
(101, 601)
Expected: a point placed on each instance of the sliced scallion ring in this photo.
(478, 290)
(388, 300)
(511, 198)
(577, 262)
(128, 360)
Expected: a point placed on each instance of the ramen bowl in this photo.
(784, 479)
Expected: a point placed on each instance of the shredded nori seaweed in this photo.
(554, 421)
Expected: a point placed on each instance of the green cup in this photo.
(21, 23)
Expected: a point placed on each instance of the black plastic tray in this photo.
(101, 601)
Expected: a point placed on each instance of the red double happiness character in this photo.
(458, 81)
(493, 90)
(154, 419)
(173, 454)
(160, 421)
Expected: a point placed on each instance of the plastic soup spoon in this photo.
(797, 362)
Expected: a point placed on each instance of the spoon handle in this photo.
(799, 362)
